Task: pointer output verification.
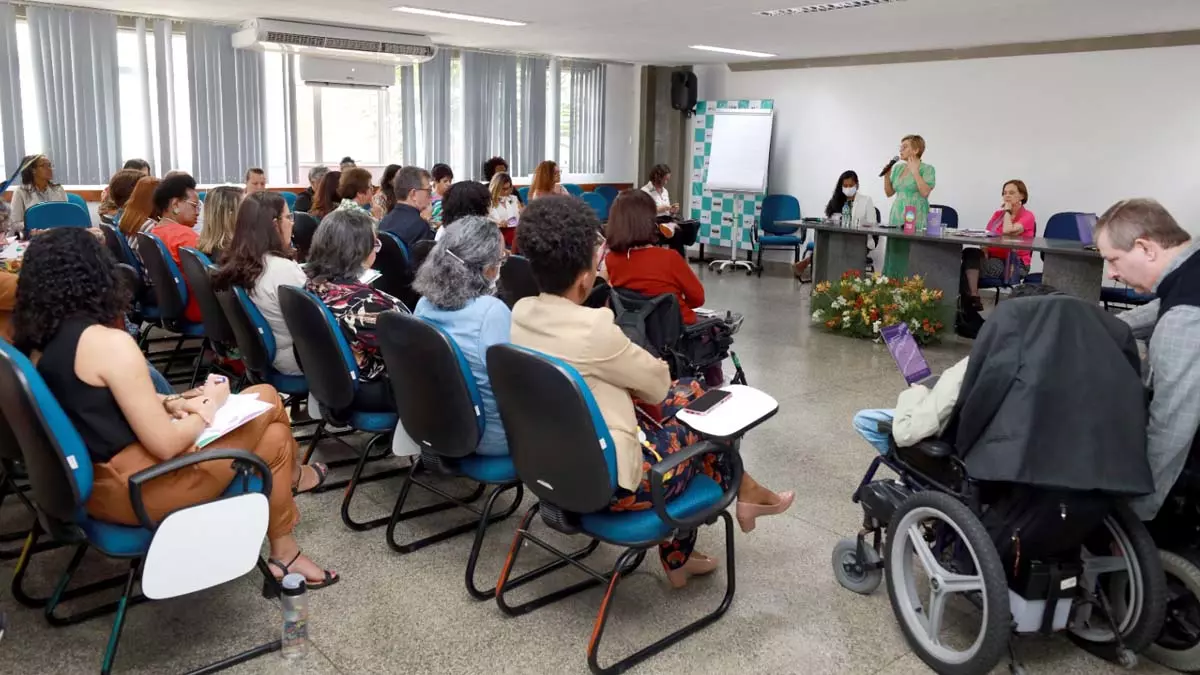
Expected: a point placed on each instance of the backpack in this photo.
(633, 316)
(1030, 524)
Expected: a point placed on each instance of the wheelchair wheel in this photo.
(1131, 577)
(854, 574)
(936, 547)
(1178, 645)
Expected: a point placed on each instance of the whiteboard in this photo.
(741, 150)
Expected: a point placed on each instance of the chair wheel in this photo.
(861, 576)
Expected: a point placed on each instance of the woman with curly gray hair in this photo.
(458, 283)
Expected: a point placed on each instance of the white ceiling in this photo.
(660, 31)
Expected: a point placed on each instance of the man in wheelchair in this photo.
(1018, 506)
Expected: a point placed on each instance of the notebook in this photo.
(906, 352)
(1086, 222)
(238, 409)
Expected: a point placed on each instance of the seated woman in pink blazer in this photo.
(1010, 220)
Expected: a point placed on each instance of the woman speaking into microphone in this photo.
(910, 181)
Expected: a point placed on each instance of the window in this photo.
(31, 119)
(276, 124)
(183, 104)
(349, 123)
(581, 110)
(395, 141)
(458, 148)
(136, 129)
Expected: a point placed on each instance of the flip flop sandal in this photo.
(322, 474)
(272, 587)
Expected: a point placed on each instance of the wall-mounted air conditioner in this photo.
(333, 41)
(338, 73)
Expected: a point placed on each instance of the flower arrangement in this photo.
(860, 306)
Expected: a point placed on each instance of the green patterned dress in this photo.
(895, 264)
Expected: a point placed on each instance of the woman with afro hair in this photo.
(69, 295)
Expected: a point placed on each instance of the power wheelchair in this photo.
(925, 530)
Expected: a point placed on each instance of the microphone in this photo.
(889, 166)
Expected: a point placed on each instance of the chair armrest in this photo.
(659, 471)
(243, 462)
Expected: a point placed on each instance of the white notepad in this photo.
(238, 409)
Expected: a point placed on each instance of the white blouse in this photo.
(662, 200)
(507, 212)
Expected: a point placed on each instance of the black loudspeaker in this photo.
(683, 91)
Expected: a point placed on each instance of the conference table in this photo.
(1067, 264)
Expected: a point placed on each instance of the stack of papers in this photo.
(238, 409)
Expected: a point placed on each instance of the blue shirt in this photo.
(483, 322)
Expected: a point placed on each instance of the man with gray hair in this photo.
(413, 191)
(1145, 248)
(305, 199)
(458, 284)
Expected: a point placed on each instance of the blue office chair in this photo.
(171, 292)
(573, 189)
(949, 215)
(202, 195)
(598, 203)
(394, 263)
(523, 193)
(563, 451)
(1061, 225)
(255, 343)
(77, 200)
(219, 337)
(441, 409)
(608, 192)
(169, 558)
(290, 198)
(779, 237)
(56, 214)
(332, 373)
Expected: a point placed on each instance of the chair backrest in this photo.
(392, 262)
(170, 288)
(598, 203)
(1064, 225)
(560, 445)
(290, 198)
(56, 460)
(56, 214)
(600, 294)
(112, 241)
(251, 333)
(318, 341)
(517, 281)
(776, 208)
(949, 215)
(653, 323)
(77, 200)
(608, 192)
(437, 397)
(304, 226)
(573, 189)
(197, 269)
(523, 194)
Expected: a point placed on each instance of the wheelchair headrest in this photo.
(197, 268)
(318, 337)
(169, 286)
(58, 464)
(560, 444)
(437, 397)
(252, 334)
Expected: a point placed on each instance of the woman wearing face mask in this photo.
(457, 283)
(852, 207)
(1012, 219)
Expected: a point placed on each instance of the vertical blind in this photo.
(490, 105)
(531, 145)
(586, 117)
(75, 86)
(10, 91)
(226, 104)
(435, 110)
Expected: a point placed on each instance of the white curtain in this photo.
(489, 107)
(75, 85)
(586, 118)
(10, 92)
(435, 112)
(227, 110)
(531, 146)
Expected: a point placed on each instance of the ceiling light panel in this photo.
(421, 11)
(825, 7)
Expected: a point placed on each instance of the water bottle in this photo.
(295, 617)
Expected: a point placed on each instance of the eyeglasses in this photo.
(378, 245)
(196, 204)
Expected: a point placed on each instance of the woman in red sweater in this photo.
(634, 262)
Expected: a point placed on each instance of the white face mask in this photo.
(850, 191)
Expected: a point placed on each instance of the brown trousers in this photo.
(269, 436)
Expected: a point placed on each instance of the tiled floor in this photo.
(411, 614)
